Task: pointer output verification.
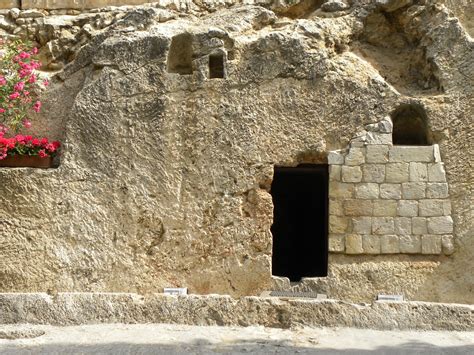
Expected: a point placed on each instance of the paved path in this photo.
(181, 339)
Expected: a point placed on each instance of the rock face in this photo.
(172, 128)
(93, 308)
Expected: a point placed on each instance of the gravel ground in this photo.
(182, 339)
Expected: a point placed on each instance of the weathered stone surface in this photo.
(334, 5)
(371, 244)
(414, 190)
(418, 172)
(356, 156)
(385, 208)
(351, 174)
(410, 244)
(377, 154)
(367, 191)
(87, 308)
(419, 225)
(338, 224)
(411, 154)
(447, 244)
(389, 244)
(164, 179)
(358, 207)
(431, 244)
(383, 225)
(391, 191)
(437, 190)
(440, 225)
(341, 190)
(354, 244)
(362, 225)
(335, 158)
(9, 4)
(336, 243)
(407, 208)
(436, 173)
(403, 225)
(336, 207)
(335, 172)
(433, 207)
(373, 173)
(397, 172)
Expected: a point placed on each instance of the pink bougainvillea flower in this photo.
(19, 86)
(26, 124)
(37, 106)
(2, 110)
(26, 92)
(14, 96)
(34, 51)
(35, 142)
(24, 55)
(44, 141)
(32, 79)
(45, 82)
(3, 81)
(42, 153)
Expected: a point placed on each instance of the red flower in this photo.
(42, 153)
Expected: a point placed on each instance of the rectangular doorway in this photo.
(300, 221)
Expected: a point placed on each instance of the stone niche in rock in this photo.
(410, 126)
(180, 56)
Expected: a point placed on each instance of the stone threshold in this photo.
(98, 308)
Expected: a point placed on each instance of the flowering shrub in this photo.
(27, 145)
(19, 89)
(19, 85)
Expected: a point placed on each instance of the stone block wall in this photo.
(386, 199)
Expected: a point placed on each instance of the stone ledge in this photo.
(96, 308)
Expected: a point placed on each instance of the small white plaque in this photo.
(398, 298)
(175, 291)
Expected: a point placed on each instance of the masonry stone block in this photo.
(436, 153)
(341, 190)
(367, 191)
(385, 208)
(335, 207)
(391, 191)
(414, 190)
(410, 244)
(362, 225)
(373, 173)
(358, 208)
(335, 158)
(440, 225)
(397, 172)
(434, 207)
(447, 243)
(389, 244)
(407, 208)
(383, 225)
(338, 224)
(436, 173)
(378, 138)
(431, 244)
(419, 225)
(354, 244)
(418, 172)
(437, 190)
(377, 153)
(335, 172)
(336, 243)
(356, 156)
(403, 225)
(351, 174)
(9, 4)
(371, 244)
(411, 154)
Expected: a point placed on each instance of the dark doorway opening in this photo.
(216, 66)
(300, 221)
(180, 56)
